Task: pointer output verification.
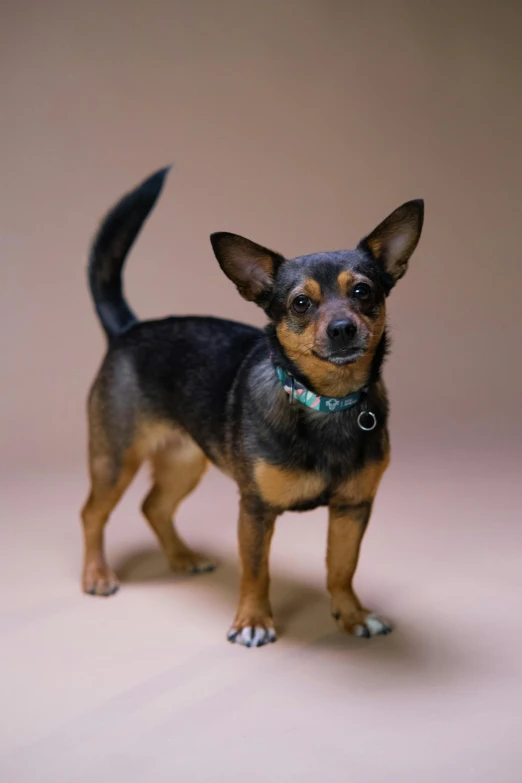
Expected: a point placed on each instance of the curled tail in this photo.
(109, 250)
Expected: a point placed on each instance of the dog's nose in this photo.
(341, 332)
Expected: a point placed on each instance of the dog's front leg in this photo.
(350, 513)
(253, 625)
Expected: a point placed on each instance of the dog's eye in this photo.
(362, 291)
(301, 304)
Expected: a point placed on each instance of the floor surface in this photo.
(143, 686)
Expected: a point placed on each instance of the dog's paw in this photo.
(99, 580)
(254, 635)
(362, 624)
(373, 625)
(191, 563)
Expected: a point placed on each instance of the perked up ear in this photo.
(250, 266)
(395, 239)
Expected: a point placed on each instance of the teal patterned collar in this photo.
(296, 391)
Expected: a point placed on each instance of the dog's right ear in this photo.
(251, 267)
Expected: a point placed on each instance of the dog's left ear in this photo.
(395, 239)
(250, 266)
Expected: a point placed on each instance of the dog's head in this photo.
(328, 309)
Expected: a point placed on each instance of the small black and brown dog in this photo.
(295, 414)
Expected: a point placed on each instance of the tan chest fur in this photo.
(284, 488)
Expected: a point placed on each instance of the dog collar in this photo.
(366, 420)
(296, 391)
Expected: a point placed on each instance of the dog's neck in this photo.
(328, 379)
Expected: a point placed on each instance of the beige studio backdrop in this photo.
(300, 125)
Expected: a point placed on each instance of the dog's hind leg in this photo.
(177, 469)
(114, 459)
(108, 483)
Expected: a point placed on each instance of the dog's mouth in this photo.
(340, 358)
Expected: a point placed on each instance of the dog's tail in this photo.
(110, 247)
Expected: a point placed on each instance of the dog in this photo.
(296, 413)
